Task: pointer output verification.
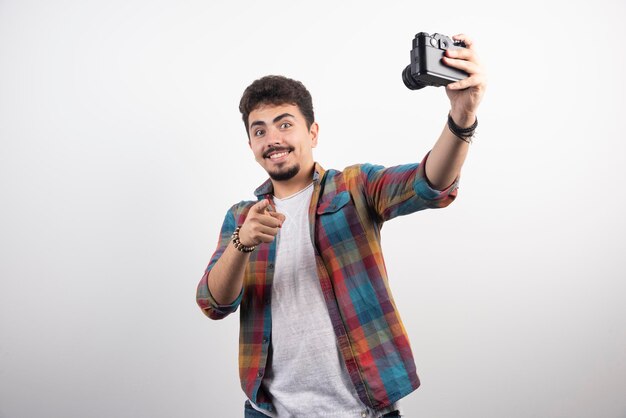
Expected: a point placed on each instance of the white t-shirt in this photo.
(306, 375)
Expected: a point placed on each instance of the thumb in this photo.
(261, 205)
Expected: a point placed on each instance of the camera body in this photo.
(426, 67)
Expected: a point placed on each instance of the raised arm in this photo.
(447, 156)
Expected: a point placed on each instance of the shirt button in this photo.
(265, 340)
(267, 301)
(270, 266)
(363, 414)
(259, 374)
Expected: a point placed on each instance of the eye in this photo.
(259, 132)
(285, 125)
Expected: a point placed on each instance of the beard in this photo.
(286, 174)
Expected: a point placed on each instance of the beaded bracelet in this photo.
(238, 245)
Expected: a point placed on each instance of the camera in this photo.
(426, 67)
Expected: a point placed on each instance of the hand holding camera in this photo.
(438, 60)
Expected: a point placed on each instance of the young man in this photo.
(319, 331)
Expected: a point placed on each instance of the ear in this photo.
(314, 131)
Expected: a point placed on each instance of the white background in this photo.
(121, 148)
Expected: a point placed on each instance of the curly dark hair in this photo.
(276, 90)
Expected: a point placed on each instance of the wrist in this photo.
(244, 237)
(464, 133)
(238, 244)
(463, 119)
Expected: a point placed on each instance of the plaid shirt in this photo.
(346, 214)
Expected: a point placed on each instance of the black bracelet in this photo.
(464, 134)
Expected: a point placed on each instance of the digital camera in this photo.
(426, 67)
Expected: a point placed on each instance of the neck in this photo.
(293, 185)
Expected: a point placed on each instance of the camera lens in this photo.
(409, 81)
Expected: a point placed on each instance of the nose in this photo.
(273, 137)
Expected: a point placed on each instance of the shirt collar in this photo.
(267, 187)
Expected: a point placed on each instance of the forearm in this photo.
(446, 158)
(226, 278)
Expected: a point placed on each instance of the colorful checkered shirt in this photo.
(347, 211)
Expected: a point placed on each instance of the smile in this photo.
(278, 155)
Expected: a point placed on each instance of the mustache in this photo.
(270, 150)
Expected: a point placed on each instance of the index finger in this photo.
(469, 44)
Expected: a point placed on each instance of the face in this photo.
(281, 142)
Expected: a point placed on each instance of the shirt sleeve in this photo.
(403, 189)
(205, 300)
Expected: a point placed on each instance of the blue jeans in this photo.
(250, 412)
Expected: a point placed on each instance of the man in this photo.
(319, 331)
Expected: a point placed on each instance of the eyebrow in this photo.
(276, 119)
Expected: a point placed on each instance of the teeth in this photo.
(278, 155)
